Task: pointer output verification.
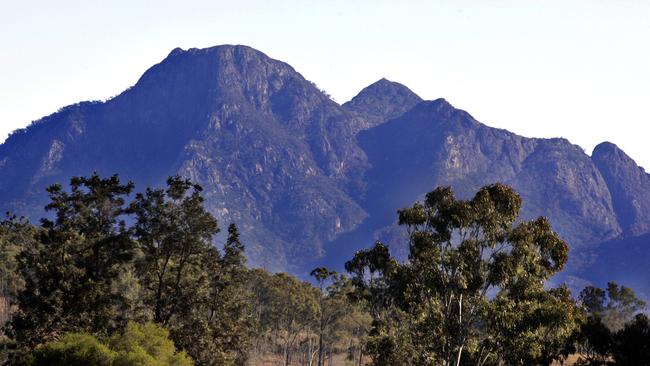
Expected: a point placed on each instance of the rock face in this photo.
(629, 185)
(304, 177)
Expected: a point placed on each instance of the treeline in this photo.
(100, 264)
(116, 278)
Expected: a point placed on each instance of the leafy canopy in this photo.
(472, 288)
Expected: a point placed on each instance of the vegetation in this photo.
(108, 281)
(473, 288)
(615, 331)
(146, 344)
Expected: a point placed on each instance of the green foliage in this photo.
(284, 308)
(146, 344)
(86, 271)
(333, 305)
(70, 272)
(15, 235)
(615, 306)
(74, 349)
(174, 234)
(614, 329)
(473, 285)
(471, 292)
(138, 345)
(632, 343)
(188, 286)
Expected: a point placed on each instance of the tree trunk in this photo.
(460, 352)
(286, 353)
(320, 346)
(360, 354)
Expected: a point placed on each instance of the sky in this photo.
(571, 68)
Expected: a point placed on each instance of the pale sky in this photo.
(574, 69)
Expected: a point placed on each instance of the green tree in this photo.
(621, 307)
(333, 304)
(74, 349)
(632, 343)
(16, 235)
(174, 234)
(137, 345)
(234, 260)
(474, 279)
(70, 272)
(229, 306)
(187, 285)
(283, 309)
(147, 345)
(610, 311)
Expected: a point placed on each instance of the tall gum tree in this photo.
(472, 290)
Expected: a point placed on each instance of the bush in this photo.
(147, 344)
(73, 349)
(138, 345)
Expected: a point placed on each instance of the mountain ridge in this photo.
(300, 172)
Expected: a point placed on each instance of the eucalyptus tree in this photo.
(472, 289)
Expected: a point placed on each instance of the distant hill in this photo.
(308, 180)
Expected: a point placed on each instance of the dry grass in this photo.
(569, 362)
(276, 360)
(340, 360)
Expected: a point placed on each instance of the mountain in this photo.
(273, 153)
(308, 180)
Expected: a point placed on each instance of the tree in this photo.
(174, 234)
(632, 343)
(283, 309)
(138, 345)
(16, 235)
(74, 349)
(229, 307)
(187, 285)
(474, 279)
(621, 307)
(332, 306)
(233, 260)
(85, 271)
(70, 272)
(610, 312)
(146, 344)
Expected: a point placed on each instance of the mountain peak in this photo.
(629, 185)
(382, 88)
(382, 100)
(606, 147)
(609, 153)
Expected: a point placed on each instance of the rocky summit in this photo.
(306, 179)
